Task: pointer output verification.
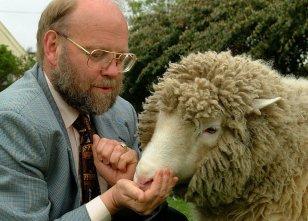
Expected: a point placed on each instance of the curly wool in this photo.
(211, 84)
(260, 164)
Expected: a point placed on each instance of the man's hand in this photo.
(125, 193)
(112, 161)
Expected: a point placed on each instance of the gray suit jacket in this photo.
(37, 174)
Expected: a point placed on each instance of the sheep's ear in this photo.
(259, 104)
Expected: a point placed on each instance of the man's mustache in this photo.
(107, 83)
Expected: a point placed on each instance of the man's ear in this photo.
(51, 50)
(259, 104)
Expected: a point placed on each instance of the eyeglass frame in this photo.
(88, 53)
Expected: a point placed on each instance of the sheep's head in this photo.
(195, 124)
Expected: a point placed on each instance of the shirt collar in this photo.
(68, 113)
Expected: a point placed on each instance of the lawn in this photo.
(181, 206)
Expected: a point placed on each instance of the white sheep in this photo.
(235, 132)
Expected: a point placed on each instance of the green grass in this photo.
(181, 206)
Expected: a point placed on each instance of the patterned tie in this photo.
(87, 171)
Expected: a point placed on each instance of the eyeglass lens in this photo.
(100, 59)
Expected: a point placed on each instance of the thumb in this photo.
(131, 190)
(96, 139)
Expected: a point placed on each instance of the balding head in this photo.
(75, 14)
(97, 9)
(94, 16)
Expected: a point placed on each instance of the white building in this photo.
(6, 38)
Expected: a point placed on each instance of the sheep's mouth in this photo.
(145, 185)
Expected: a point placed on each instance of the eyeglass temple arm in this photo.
(79, 46)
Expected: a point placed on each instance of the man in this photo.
(82, 55)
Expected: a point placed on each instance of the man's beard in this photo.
(77, 94)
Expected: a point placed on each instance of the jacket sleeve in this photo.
(23, 165)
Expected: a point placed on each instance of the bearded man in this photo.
(64, 130)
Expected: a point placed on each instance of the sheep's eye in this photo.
(210, 130)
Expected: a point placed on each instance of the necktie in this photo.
(87, 171)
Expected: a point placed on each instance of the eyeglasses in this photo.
(100, 59)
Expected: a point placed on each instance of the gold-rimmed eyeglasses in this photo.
(100, 59)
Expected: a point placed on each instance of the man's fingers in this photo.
(96, 139)
(130, 190)
(170, 181)
(104, 150)
(122, 164)
(165, 184)
(174, 181)
(98, 146)
(117, 152)
(155, 187)
(145, 202)
(126, 159)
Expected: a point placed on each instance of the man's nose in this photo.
(112, 69)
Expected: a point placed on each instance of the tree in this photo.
(12, 67)
(273, 30)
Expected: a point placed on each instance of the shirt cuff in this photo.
(97, 210)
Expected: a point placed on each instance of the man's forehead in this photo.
(98, 24)
(97, 16)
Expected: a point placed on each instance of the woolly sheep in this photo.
(235, 132)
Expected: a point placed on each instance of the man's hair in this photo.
(53, 17)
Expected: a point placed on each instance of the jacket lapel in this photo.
(39, 75)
